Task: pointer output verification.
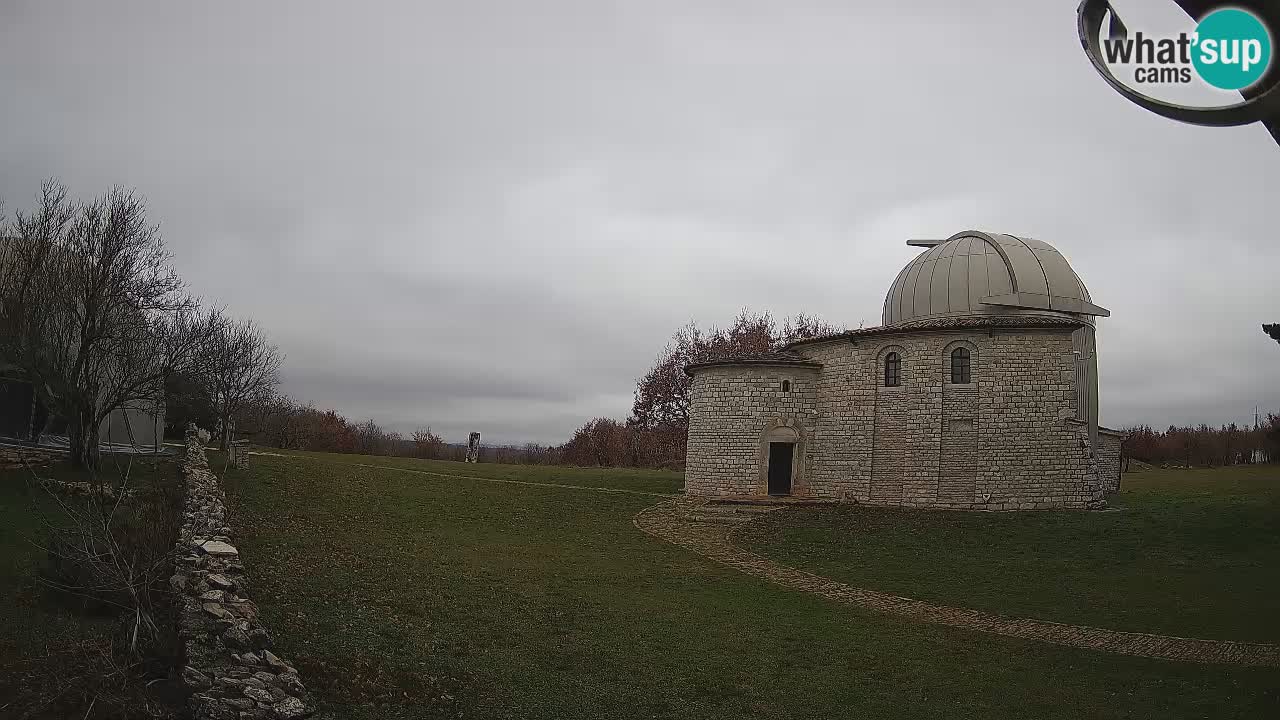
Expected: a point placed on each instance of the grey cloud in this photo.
(492, 215)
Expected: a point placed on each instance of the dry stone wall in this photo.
(229, 668)
(1005, 441)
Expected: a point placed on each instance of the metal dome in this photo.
(980, 273)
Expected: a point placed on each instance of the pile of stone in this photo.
(229, 667)
(68, 487)
(17, 457)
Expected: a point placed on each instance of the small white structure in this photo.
(139, 425)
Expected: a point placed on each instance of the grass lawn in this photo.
(46, 637)
(1194, 553)
(642, 481)
(404, 595)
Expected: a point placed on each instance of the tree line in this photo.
(278, 421)
(95, 317)
(1204, 446)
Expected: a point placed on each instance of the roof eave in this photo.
(1029, 323)
(805, 364)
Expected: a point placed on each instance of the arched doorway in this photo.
(781, 444)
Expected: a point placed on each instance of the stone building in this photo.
(979, 391)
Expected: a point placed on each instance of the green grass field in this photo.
(407, 589)
(1194, 553)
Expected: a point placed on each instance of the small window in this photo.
(892, 370)
(786, 386)
(960, 364)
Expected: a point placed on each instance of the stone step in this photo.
(725, 513)
(740, 509)
(769, 501)
(724, 519)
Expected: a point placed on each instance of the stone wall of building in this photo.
(1000, 442)
(1109, 458)
(958, 453)
(229, 667)
(730, 412)
(1030, 457)
(843, 431)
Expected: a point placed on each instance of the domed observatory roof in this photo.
(975, 273)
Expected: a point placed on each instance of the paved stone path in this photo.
(668, 521)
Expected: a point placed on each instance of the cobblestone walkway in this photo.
(668, 521)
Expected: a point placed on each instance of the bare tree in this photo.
(661, 408)
(241, 367)
(92, 310)
(427, 444)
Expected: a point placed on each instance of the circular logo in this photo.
(1232, 49)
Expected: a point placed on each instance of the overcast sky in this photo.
(482, 215)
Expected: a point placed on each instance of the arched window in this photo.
(960, 365)
(892, 370)
(786, 386)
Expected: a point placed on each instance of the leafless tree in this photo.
(110, 545)
(241, 367)
(95, 555)
(427, 444)
(92, 310)
(660, 412)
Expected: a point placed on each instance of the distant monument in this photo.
(473, 447)
(238, 451)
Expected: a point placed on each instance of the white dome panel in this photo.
(979, 273)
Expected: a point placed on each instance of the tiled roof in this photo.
(950, 323)
(768, 357)
(784, 357)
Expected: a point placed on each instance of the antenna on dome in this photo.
(918, 242)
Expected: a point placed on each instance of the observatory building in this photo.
(979, 391)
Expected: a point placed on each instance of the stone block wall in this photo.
(731, 409)
(958, 451)
(1001, 442)
(843, 431)
(229, 668)
(1109, 458)
(1029, 456)
(239, 452)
